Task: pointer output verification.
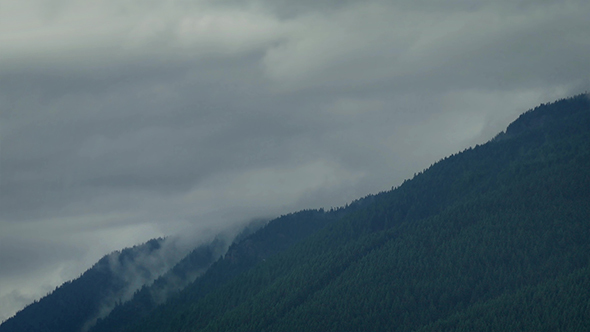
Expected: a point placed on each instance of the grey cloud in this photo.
(22, 256)
(434, 51)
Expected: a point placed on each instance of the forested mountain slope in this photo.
(494, 238)
(499, 229)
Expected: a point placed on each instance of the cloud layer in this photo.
(126, 120)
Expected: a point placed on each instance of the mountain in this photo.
(493, 238)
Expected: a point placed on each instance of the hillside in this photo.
(499, 230)
(493, 238)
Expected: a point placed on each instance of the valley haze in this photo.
(126, 121)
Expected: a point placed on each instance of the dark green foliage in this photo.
(493, 238)
(560, 304)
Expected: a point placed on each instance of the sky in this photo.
(125, 120)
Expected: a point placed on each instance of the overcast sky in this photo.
(124, 120)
